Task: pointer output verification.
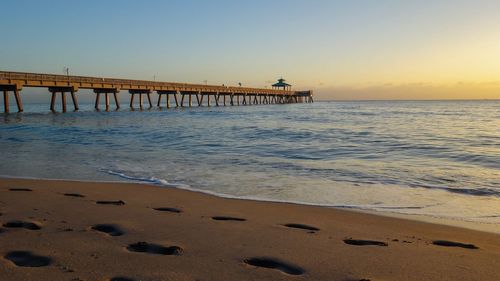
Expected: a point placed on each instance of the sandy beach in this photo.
(66, 230)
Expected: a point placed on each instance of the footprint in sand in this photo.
(274, 263)
(22, 224)
(150, 248)
(365, 242)
(224, 218)
(168, 209)
(110, 229)
(20, 189)
(27, 259)
(118, 202)
(302, 226)
(74, 195)
(120, 278)
(445, 243)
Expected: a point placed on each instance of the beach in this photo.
(250, 140)
(71, 230)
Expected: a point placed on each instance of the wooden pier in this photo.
(183, 93)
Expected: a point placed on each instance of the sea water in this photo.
(427, 158)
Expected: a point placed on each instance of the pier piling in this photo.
(107, 101)
(53, 101)
(97, 97)
(106, 92)
(140, 92)
(63, 91)
(15, 89)
(75, 101)
(63, 101)
(19, 102)
(176, 101)
(159, 100)
(116, 100)
(198, 98)
(167, 93)
(6, 101)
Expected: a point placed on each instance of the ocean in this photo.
(437, 159)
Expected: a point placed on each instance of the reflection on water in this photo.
(435, 158)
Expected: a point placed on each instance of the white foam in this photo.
(150, 180)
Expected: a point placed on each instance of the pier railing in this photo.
(43, 80)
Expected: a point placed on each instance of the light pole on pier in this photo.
(66, 71)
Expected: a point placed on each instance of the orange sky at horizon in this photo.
(412, 91)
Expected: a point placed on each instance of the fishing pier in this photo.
(175, 94)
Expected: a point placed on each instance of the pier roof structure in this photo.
(282, 85)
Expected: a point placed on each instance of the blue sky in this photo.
(333, 47)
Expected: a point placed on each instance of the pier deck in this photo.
(16, 81)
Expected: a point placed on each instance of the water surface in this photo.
(433, 158)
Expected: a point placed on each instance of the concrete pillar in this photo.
(107, 101)
(73, 98)
(97, 97)
(116, 100)
(159, 100)
(175, 97)
(53, 101)
(19, 102)
(132, 100)
(6, 101)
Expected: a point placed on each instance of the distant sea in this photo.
(431, 158)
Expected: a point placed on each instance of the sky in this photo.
(352, 49)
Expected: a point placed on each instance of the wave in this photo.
(150, 180)
(477, 191)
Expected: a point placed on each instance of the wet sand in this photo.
(65, 230)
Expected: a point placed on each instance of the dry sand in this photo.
(56, 230)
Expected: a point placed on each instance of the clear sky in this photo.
(352, 49)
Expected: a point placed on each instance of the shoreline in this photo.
(195, 236)
(456, 222)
